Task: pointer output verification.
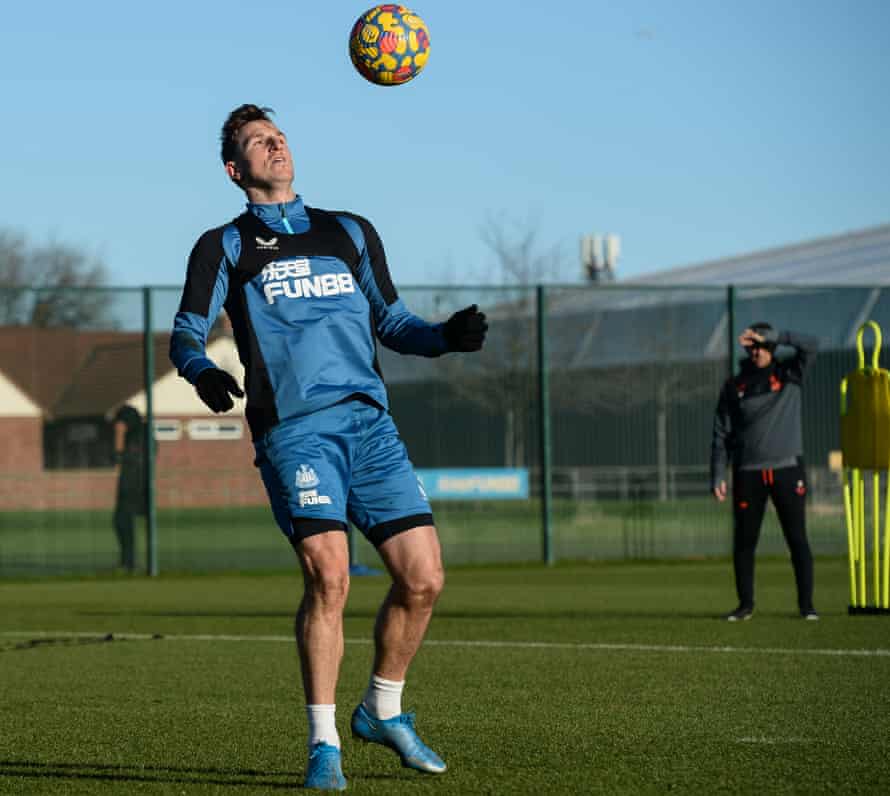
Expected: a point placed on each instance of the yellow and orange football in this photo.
(389, 45)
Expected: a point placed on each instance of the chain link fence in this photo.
(617, 466)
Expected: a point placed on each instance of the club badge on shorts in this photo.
(306, 477)
(306, 482)
(800, 488)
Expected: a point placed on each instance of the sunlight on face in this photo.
(264, 155)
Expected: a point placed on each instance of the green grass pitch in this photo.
(585, 678)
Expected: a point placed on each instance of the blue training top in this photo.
(307, 292)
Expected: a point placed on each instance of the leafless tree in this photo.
(13, 270)
(519, 257)
(56, 284)
(503, 379)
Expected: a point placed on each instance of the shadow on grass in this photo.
(169, 774)
(104, 772)
(62, 641)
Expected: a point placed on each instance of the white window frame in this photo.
(214, 429)
(167, 430)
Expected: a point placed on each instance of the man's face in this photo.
(263, 159)
(761, 357)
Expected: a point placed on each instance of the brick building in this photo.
(59, 390)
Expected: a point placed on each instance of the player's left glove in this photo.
(465, 330)
(215, 388)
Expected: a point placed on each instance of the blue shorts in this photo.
(345, 462)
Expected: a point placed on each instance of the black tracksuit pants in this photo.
(787, 488)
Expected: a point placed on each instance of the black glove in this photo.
(214, 385)
(465, 330)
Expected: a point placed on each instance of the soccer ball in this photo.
(389, 45)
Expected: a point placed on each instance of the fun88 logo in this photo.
(293, 279)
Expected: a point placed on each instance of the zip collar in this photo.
(289, 217)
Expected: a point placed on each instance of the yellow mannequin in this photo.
(865, 442)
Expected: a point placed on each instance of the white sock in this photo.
(383, 699)
(322, 726)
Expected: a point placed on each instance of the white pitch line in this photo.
(762, 739)
(543, 645)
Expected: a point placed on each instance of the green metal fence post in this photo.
(151, 535)
(730, 327)
(730, 355)
(544, 409)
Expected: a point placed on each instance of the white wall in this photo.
(14, 403)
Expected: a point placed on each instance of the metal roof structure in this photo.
(861, 257)
(826, 286)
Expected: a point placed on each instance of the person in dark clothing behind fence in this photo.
(129, 450)
(757, 425)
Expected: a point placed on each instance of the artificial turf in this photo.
(585, 678)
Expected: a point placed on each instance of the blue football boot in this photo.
(398, 734)
(324, 771)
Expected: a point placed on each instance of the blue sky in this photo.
(694, 130)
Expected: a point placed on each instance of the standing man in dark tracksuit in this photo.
(309, 294)
(129, 453)
(758, 426)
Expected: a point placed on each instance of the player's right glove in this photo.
(215, 388)
(465, 330)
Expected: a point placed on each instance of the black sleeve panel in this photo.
(203, 269)
(721, 437)
(805, 347)
(376, 258)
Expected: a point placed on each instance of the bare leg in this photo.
(414, 561)
(324, 559)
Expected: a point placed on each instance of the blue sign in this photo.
(484, 483)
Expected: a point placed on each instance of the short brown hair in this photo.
(242, 115)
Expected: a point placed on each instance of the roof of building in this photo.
(69, 373)
(860, 257)
(109, 375)
(42, 362)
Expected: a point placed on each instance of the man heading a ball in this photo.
(308, 293)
